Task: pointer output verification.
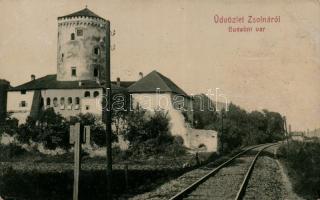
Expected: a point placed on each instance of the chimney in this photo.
(140, 75)
(33, 77)
(118, 81)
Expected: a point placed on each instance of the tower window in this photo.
(23, 104)
(87, 94)
(79, 32)
(62, 56)
(95, 72)
(96, 51)
(73, 71)
(48, 101)
(23, 91)
(72, 36)
(95, 93)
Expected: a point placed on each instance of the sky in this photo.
(278, 69)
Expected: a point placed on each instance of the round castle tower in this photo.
(82, 47)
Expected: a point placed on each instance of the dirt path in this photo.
(286, 181)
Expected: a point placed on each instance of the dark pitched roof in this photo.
(154, 80)
(50, 82)
(82, 13)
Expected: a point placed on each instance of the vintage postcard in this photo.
(161, 100)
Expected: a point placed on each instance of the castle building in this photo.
(82, 56)
(81, 63)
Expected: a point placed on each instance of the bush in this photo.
(303, 161)
(9, 125)
(51, 129)
(149, 134)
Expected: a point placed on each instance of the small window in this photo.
(62, 56)
(72, 36)
(23, 104)
(79, 32)
(73, 71)
(48, 101)
(95, 94)
(69, 100)
(96, 51)
(77, 100)
(95, 72)
(86, 94)
(62, 101)
(41, 102)
(23, 91)
(87, 107)
(55, 102)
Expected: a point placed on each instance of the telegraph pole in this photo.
(222, 129)
(107, 114)
(286, 131)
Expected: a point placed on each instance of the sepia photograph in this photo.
(160, 100)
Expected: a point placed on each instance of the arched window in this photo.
(95, 72)
(95, 94)
(69, 100)
(48, 101)
(55, 102)
(72, 36)
(62, 101)
(77, 100)
(86, 94)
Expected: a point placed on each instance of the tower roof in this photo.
(82, 13)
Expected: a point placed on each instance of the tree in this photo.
(51, 129)
(203, 112)
(148, 133)
(9, 125)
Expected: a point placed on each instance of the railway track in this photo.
(227, 181)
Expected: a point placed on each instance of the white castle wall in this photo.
(14, 104)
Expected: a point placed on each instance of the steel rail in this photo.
(246, 179)
(190, 188)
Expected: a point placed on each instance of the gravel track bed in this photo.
(169, 189)
(166, 191)
(267, 179)
(226, 183)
